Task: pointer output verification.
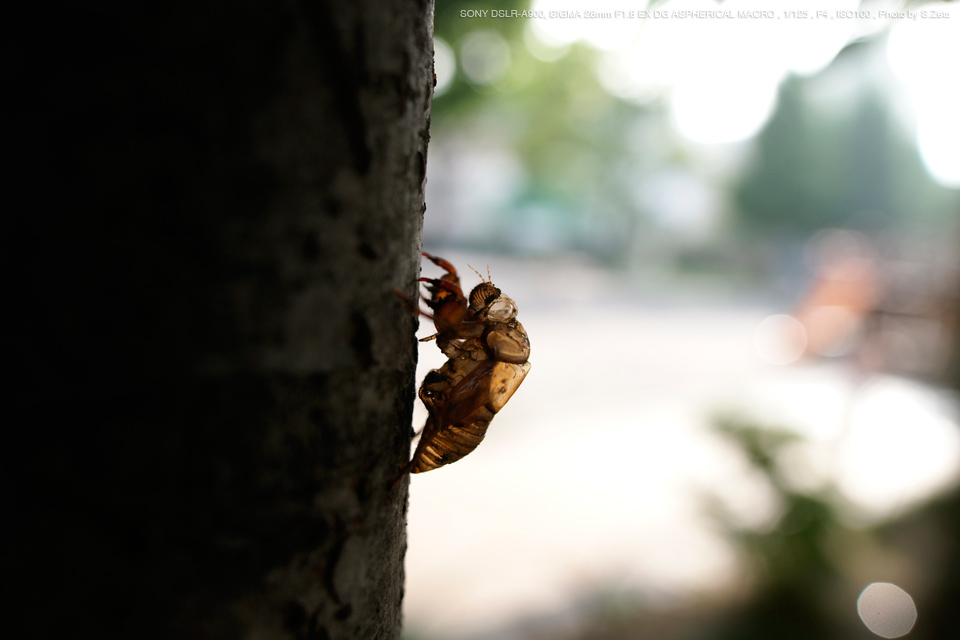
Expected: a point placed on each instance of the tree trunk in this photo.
(217, 376)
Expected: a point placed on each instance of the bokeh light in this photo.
(887, 610)
(900, 445)
(484, 56)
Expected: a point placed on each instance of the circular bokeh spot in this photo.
(887, 610)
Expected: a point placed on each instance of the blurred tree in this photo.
(813, 170)
(215, 378)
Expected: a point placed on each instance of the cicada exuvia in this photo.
(487, 351)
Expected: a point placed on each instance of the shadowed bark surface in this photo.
(216, 378)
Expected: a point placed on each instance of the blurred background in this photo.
(734, 239)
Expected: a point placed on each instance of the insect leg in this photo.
(440, 262)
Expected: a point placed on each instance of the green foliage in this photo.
(792, 561)
(793, 551)
(567, 132)
(463, 98)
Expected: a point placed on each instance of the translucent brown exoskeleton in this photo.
(488, 353)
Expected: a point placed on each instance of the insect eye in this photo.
(503, 309)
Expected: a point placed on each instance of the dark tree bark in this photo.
(217, 378)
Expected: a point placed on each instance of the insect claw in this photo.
(429, 338)
(440, 262)
(414, 307)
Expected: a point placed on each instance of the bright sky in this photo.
(720, 75)
(924, 54)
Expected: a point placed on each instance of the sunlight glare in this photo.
(938, 138)
(922, 53)
(723, 110)
(729, 93)
(721, 74)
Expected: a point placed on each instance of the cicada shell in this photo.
(488, 351)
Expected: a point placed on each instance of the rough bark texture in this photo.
(217, 376)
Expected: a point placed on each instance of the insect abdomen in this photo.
(488, 353)
(465, 413)
(452, 442)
